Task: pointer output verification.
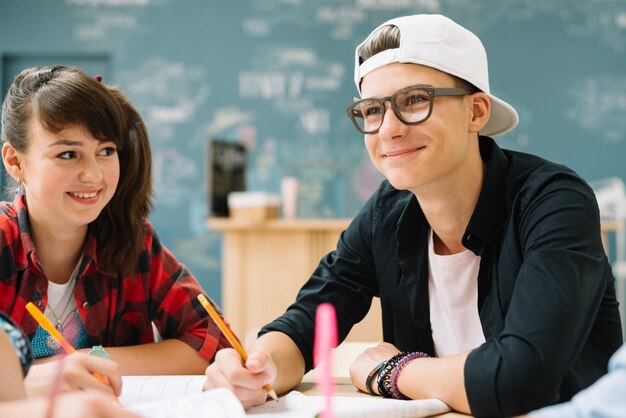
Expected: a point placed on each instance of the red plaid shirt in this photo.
(116, 311)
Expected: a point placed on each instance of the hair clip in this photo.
(98, 78)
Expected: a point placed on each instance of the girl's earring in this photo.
(20, 188)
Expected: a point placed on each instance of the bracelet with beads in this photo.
(373, 373)
(384, 376)
(395, 373)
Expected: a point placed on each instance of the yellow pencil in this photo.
(47, 325)
(231, 338)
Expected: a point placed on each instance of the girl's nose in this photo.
(91, 171)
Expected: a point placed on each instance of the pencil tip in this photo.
(273, 395)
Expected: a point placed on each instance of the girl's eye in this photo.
(67, 155)
(108, 151)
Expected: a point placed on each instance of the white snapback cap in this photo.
(438, 42)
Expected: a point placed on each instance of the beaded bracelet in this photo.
(395, 373)
(385, 374)
(368, 380)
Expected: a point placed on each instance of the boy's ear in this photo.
(12, 160)
(479, 114)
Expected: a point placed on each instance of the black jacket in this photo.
(546, 295)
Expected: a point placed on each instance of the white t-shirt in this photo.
(453, 298)
(61, 296)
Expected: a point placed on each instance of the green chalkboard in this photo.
(276, 75)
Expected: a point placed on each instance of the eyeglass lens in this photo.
(410, 106)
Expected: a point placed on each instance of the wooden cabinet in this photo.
(265, 263)
(608, 227)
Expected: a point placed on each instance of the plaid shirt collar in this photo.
(90, 250)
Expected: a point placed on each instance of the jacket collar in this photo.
(488, 220)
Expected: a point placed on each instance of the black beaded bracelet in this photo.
(368, 380)
(395, 373)
(384, 376)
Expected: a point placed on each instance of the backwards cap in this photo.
(438, 42)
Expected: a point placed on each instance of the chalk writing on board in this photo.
(106, 22)
(604, 20)
(256, 27)
(225, 118)
(109, 3)
(174, 175)
(265, 161)
(102, 27)
(292, 80)
(168, 92)
(269, 85)
(341, 19)
(315, 122)
(598, 105)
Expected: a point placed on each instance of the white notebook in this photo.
(182, 397)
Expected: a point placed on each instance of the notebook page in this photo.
(215, 403)
(136, 389)
(297, 405)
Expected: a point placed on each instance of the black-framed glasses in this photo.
(412, 105)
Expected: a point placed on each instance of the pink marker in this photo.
(325, 341)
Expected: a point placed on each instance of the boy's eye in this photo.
(372, 110)
(416, 99)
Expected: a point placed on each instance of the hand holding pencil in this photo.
(82, 371)
(231, 338)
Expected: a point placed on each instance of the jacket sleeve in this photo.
(557, 296)
(173, 306)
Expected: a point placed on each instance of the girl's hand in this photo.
(76, 374)
(71, 405)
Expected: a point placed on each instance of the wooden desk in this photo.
(265, 263)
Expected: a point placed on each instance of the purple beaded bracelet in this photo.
(395, 373)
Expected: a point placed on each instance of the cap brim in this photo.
(503, 118)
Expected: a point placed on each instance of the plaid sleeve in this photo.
(173, 303)
(20, 342)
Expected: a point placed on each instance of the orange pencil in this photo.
(231, 338)
(47, 325)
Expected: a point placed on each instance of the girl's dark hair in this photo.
(63, 96)
(388, 37)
